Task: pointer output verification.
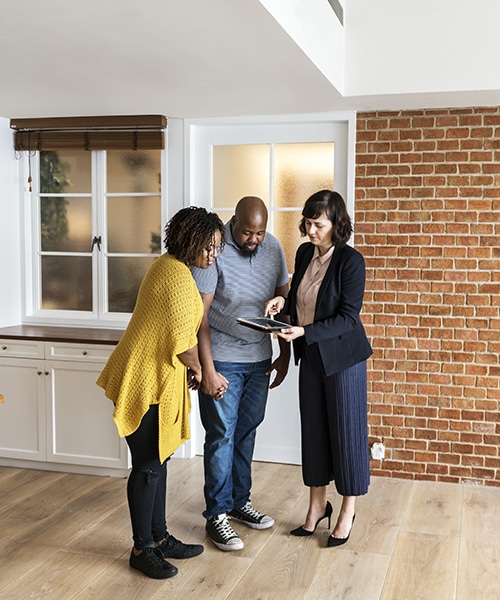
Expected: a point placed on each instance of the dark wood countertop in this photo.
(49, 333)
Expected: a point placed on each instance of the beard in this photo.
(247, 252)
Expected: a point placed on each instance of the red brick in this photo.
(438, 239)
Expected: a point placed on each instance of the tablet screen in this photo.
(262, 324)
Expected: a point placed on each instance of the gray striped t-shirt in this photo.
(241, 285)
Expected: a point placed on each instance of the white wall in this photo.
(395, 47)
(10, 236)
(175, 168)
(314, 27)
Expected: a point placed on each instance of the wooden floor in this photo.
(67, 536)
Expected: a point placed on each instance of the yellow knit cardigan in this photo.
(144, 368)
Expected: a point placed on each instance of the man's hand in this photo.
(280, 365)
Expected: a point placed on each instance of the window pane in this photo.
(240, 171)
(125, 275)
(133, 171)
(66, 224)
(286, 229)
(300, 170)
(134, 224)
(65, 171)
(67, 283)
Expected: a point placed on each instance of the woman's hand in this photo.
(274, 306)
(193, 378)
(291, 333)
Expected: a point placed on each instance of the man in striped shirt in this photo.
(237, 365)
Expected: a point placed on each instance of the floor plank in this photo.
(434, 508)
(422, 566)
(479, 563)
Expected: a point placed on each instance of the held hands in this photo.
(214, 385)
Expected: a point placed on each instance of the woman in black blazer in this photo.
(329, 340)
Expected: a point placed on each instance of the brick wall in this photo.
(427, 221)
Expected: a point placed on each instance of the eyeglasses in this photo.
(213, 250)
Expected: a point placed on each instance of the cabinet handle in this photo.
(85, 353)
(4, 347)
(39, 373)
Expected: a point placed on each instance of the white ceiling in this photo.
(200, 58)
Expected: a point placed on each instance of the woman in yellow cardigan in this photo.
(148, 377)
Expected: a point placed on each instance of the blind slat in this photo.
(91, 140)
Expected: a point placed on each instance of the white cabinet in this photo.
(22, 412)
(54, 412)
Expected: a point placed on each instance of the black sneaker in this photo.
(222, 534)
(173, 548)
(251, 517)
(151, 562)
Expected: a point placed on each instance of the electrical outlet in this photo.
(377, 451)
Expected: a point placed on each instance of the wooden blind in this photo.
(142, 132)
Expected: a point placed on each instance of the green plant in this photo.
(53, 213)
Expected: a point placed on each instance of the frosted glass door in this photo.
(282, 163)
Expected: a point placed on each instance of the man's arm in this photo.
(213, 383)
(280, 365)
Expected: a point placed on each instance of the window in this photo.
(95, 230)
(283, 175)
(93, 214)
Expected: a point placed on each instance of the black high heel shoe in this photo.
(300, 531)
(335, 541)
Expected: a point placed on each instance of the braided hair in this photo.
(191, 231)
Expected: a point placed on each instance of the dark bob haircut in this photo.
(333, 206)
(191, 231)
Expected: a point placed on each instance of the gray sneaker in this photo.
(251, 517)
(222, 534)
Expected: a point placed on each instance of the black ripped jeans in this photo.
(147, 483)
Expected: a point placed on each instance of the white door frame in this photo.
(278, 438)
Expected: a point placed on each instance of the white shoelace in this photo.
(250, 510)
(223, 527)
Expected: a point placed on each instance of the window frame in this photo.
(32, 313)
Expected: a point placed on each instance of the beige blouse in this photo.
(307, 292)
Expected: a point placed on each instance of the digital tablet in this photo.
(262, 324)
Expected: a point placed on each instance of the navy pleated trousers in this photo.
(334, 425)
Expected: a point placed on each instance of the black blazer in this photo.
(337, 327)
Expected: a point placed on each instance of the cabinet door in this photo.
(80, 428)
(22, 412)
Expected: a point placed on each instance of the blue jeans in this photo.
(230, 428)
